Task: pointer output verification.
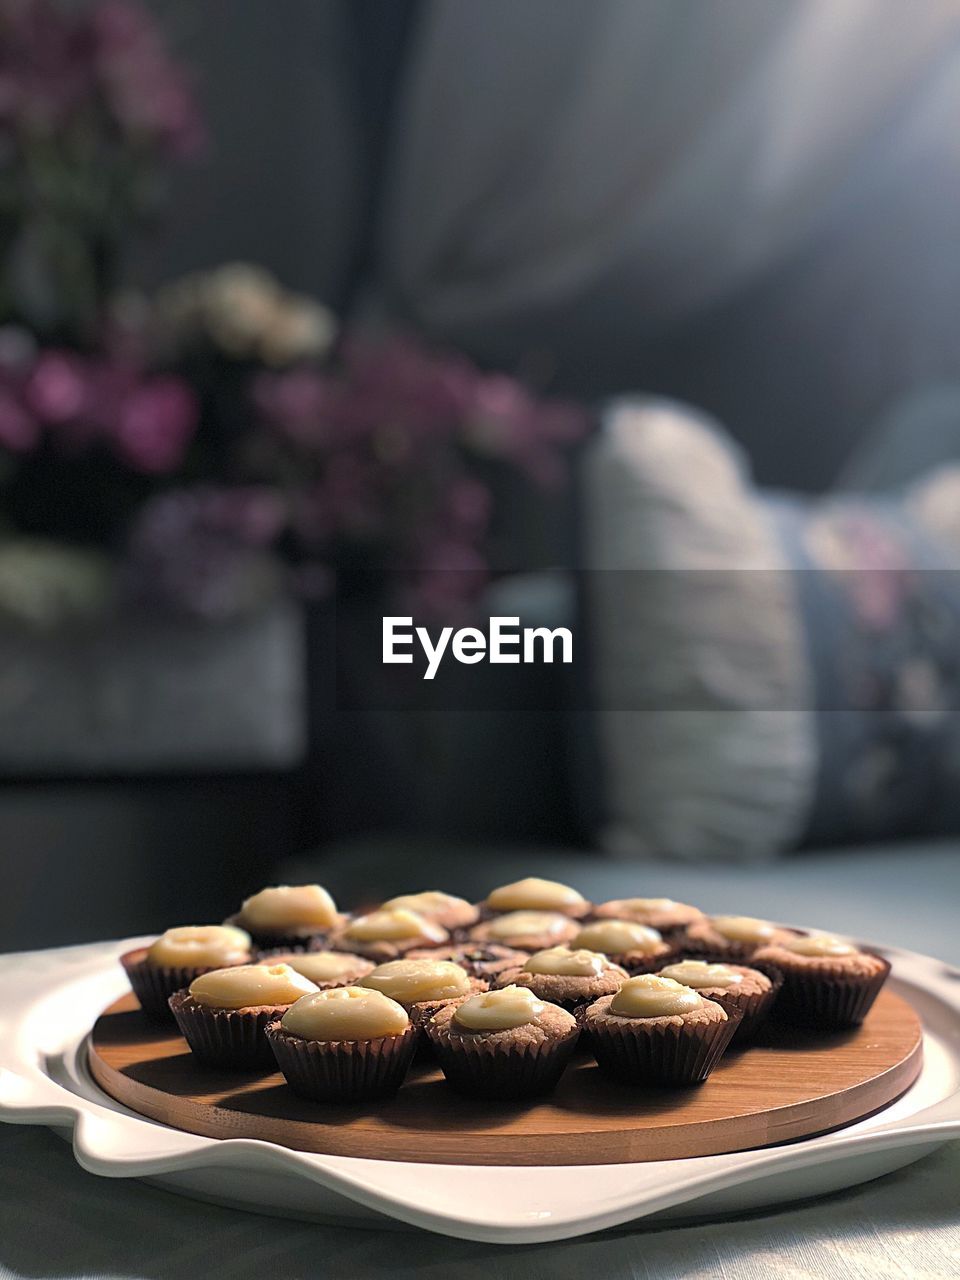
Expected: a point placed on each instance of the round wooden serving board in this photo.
(788, 1084)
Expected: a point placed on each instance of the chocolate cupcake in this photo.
(445, 909)
(388, 934)
(348, 1044)
(294, 917)
(733, 938)
(525, 930)
(634, 947)
(479, 960)
(503, 1044)
(325, 969)
(422, 986)
(223, 1015)
(177, 958)
(534, 894)
(566, 978)
(656, 1031)
(662, 914)
(826, 982)
(734, 987)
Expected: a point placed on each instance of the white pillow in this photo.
(701, 674)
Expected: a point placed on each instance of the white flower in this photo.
(245, 312)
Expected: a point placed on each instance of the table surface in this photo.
(57, 1220)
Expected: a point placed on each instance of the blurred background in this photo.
(637, 316)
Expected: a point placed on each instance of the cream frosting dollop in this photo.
(743, 928)
(526, 924)
(408, 981)
(345, 1013)
(286, 906)
(617, 937)
(325, 966)
(200, 946)
(566, 963)
(399, 925)
(700, 974)
(642, 905)
(651, 996)
(247, 985)
(500, 1010)
(430, 903)
(820, 944)
(535, 894)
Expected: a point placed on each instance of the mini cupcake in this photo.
(387, 935)
(826, 982)
(655, 1030)
(566, 978)
(534, 894)
(480, 961)
(526, 930)
(325, 969)
(733, 938)
(223, 1014)
(348, 1044)
(445, 909)
(422, 986)
(295, 917)
(734, 987)
(634, 947)
(177, 958)
(503, 1044)
(662, 914)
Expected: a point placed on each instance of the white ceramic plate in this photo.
(44, 1080)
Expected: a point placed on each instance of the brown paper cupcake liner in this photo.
(475, 1066)
(480, 960)
(291, 943)
(754, 1009)
(712, 953)
(827, 1000)
(153, 984)
(460, 933)
(231, 1038)
(421, 1013)
(381, 952)
(672, 933)
(670, 1054)
(267, 940)
(637, 964)
(570, 1000)
(343, 1070)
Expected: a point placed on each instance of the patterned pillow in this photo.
(769, 671)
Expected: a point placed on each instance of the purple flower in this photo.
(203, 551)
(19, 432)
(102, 67)
(469, 504)
(156, 422)
(448, 578)
(147, 92)
(297, 404)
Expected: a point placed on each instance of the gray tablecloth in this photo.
(56, 1220)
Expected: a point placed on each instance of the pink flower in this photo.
(56, 390)
(156, 423)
